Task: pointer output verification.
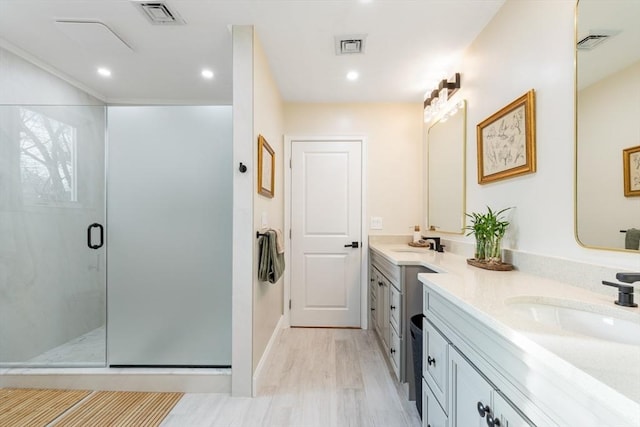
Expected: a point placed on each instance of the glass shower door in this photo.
(52, 257)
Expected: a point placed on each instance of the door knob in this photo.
(352, 245)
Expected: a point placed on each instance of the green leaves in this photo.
(488, 228)
(488, 225)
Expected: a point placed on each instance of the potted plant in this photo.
(489, 229)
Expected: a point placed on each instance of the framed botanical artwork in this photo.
(507, 141)
(631, 168)
(266, 168)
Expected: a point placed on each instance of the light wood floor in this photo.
(315, 377)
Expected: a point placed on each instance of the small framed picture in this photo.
(507, 141)
(631, 168)
(266, 168)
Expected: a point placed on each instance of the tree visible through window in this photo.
(47, 158)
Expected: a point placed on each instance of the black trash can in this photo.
(416, 346)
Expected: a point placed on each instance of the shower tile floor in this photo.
(86, 350)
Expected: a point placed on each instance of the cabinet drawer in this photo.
(386, 267)
(435, 357)
(508, 415)
(432, 413)
(395, 309)
(394, 351)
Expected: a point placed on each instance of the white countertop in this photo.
(612, 367)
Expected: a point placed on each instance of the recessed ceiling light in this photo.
(352, 75)
(104, 72)
(207, 74)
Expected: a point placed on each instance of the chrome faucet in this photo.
(625, 292)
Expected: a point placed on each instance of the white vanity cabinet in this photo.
(475, 401)
(382, 309)
(457, 393)
(452, 382)
(395, 294)
(432, 413)
(435, 362)
(470, 394)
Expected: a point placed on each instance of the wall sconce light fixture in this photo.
(438, 98)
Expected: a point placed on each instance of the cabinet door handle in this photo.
(393, 307)
(379, 283)
(393, 350)
(492, 422)
(432, 362)
(483, 410)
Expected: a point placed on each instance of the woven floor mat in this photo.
(120, 409)
(33, 407)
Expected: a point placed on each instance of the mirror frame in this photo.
(464, 171)
(576, 145)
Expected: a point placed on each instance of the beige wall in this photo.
(393, 133)
(530, 44)
(268, 122)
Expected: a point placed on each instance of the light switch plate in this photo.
(376, 223)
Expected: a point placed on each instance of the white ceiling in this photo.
(619, 17)
(411, 44)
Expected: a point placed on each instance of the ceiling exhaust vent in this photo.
(158, 13)
(346, 45)
(595, 39)
(591, 41)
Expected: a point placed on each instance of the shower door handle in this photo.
(90, 233)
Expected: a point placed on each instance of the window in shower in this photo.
(47, 159)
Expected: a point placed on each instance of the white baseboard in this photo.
(265, 356)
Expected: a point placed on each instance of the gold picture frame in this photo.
(507, 141)
(631, 168)
(266, 168)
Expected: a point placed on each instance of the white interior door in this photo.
(326, 187)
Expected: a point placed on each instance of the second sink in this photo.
(566, 315)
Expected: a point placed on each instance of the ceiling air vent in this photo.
(591, 41)
(158, 13)
(595, 38)
(350, 44)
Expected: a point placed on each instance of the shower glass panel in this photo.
(52, 283)
(170, 185)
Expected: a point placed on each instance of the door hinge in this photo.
(289, 162)
(289, 233)
(289, 304)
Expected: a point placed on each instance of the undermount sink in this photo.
(410, 249)
(602, 324)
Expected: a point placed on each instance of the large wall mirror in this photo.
(608, 123)
(446, 140)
